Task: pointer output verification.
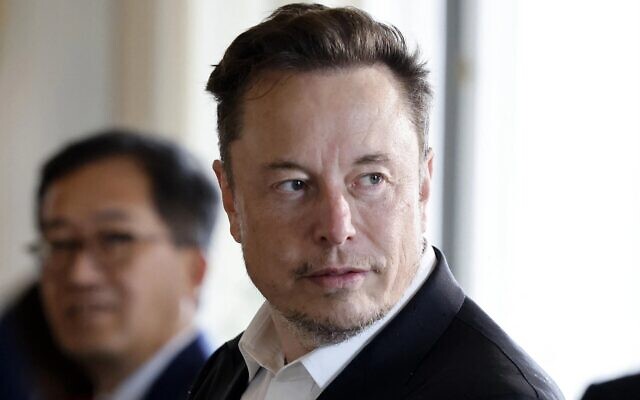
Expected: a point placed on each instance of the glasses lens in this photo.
(114, 247)
(55, 253)
(109, 248)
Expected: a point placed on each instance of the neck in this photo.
(292, 342)
(108, 371)
(106, 374)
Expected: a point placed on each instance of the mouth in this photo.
(338, 277)
(88, 312)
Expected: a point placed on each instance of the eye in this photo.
(372, 179)
(291, 185)
(64, 245)
(110, 240)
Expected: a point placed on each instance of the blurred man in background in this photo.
(125, 222)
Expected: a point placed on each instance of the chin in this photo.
(89, 347)
(333, 323)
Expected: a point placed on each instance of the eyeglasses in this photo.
(109, 248)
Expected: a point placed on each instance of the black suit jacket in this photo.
(624, 388)
(176, 379)
(441, 345)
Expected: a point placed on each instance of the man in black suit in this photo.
(125, 221)
(626, 387)
(325, 175)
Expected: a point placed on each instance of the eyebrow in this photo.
(375, 158)
(283, 164)
(112, 214)
(108, 215)
(54, 223)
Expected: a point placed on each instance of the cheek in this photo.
(272, 247)
(273, 228)
(389, 219)
(149, 291)
(51, 303)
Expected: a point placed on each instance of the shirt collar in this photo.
(260, 346)
(135, 385)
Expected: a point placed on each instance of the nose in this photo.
(334, 224)
(83, 270)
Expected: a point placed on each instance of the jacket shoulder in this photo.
(625, 387)
(474, 355)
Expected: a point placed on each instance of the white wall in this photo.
(56, 81)
(557, 199)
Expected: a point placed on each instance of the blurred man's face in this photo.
(328, 203)
(114, 285)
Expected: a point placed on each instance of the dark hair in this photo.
(183, 195)
(306, 37)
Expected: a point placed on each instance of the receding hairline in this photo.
(267, 80)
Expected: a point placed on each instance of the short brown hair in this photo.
(307, 37)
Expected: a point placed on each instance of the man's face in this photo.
(124, 291)
(328, 199)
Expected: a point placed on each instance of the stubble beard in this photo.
(314, 331)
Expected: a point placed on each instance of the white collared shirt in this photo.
(137, 384)
(306, 377)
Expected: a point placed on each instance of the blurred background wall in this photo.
(537, 186)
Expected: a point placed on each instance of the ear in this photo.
(228, 200)
(426, 172)
(197, 268)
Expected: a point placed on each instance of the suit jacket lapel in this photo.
(177, 377)
(239, 380)
(384, 368)
(225, 376)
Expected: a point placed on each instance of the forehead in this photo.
(333, 108)
(106, 190)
